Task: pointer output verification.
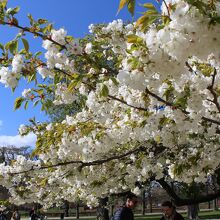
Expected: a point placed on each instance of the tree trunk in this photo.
(102, 211)
(77, 210)
(193, 211)
(112, 210)
(143, 203)
(209, 204)
(66, 208)
(150, 202)
(215, 205)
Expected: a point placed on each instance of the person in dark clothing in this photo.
(169, 212)
(33, 215)
(2, 215)
(32, 211)
(125, 212)
(16, 215)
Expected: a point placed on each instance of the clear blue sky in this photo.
(73, 15)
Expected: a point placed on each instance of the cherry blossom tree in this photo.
(149, 102)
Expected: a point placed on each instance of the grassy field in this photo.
(202, 215)
(148, 216)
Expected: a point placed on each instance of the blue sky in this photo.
(73, 15)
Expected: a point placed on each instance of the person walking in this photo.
(16, 215)
(2, 215)
(169, 212)
(125, 212)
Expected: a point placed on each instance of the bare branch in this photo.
(84, 164)
(26, 29)
(211, 89)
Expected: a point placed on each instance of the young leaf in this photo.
(13, 47)
(104, 91)
(26, 105)
(31, 19)
(122, 5)
(18, 102)
(131, 7)
(42, 21)
(26, 44)
(2, 47)
(13, 11)
(148, 5)
(37, 54)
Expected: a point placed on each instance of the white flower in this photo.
(17, 63)
(8, 77)
(26, 93)
(49, 127)
(88, 48)
(59, 35)
(23, 129)
(44, 72)
(136, 191)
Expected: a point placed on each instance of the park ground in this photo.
(203, 215)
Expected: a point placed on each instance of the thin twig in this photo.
(26, 29)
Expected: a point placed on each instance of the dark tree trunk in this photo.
(215, 205)
(66, 208)
(193, 211)
(209, 205)
(77, 210)
(143, 203)
(102, 211)
(112, 210)
(150, 202)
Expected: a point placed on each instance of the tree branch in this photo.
(26, 29)
(190, 201)
(211, 89)
(84, 164)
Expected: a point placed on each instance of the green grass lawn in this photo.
(153, 216)
(202, 215)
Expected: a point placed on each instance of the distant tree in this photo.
(10, 152)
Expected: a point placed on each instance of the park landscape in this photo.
(132, 105)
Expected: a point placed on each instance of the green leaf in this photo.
(3, 4)
(2, 47)
(36, 102)
(166, 20)
(104, 91)
(26, 105)
(122, 4)
(26, 44)
(18, 102)
(37, 54)
(131, 6)
(31, 19)
(42, 21)
(13, 47)
(13, 11)
(148, 5)
(114, 81)
(205, 69)
(72, 85)
(32, 77)
(132, 38)
(22, 51)
(49, 27)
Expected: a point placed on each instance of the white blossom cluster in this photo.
(162, 108)
(9, 77)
